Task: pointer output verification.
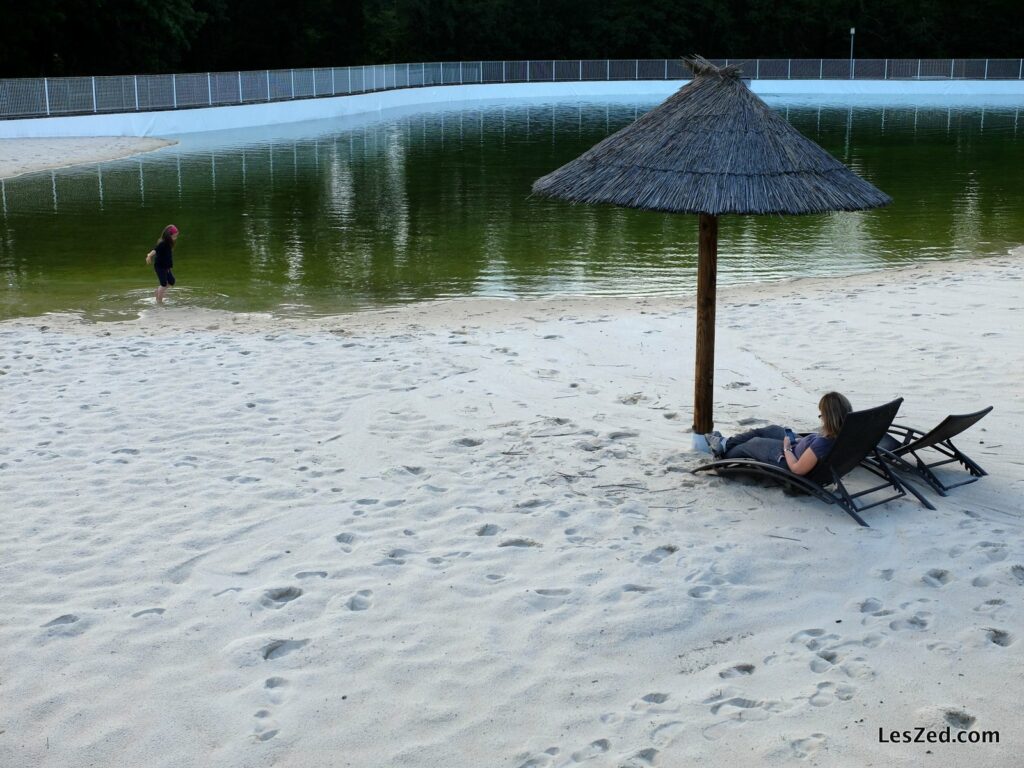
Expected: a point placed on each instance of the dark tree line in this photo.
(93, 37)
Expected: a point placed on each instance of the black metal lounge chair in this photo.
(902, 442)
(855, 445)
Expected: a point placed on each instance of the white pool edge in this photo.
(178, 122)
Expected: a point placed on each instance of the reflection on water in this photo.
(332, 216)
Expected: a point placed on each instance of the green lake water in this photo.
(328, 217)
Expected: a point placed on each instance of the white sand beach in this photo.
(465, 534)
(21, 156)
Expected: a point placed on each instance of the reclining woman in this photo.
(780, 446)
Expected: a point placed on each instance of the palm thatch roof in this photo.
(712, 147)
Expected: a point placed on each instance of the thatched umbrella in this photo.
(711, 148)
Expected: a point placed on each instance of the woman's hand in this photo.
(800, 466)
(149, 257)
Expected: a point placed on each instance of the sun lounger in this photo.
(855, 445)
(902, 443)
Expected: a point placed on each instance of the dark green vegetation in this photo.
(98, 37)
(327, 217)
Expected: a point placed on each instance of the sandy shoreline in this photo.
(21, 156)
(464, 534)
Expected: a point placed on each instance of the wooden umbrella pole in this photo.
(704, 373)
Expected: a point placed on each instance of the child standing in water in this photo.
(162, 259)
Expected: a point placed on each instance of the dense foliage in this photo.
(77, 37)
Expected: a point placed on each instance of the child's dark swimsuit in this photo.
(163, 263)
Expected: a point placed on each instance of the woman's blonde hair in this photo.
(833, 408)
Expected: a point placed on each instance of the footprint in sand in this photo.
(622, 434)
(278, 648)
(345, 539)
(637, 588)
(919, 621)
(738, 670)
(519, 543)
(541, 761)
(311, 575)
(1017, 571)
(993, 551)
(360, 601)
(870, 605)
(829, 692)
(67, 618)
(552, 592)
(825, 659)
(592, 750)
(655, 698)
(279, 597)
(998, 637)
(990, 606)
(806, 634)
(488, 530)
(468, 442)
(937, 577)
(959, 719)
(659, 554)
(642, 759)
(148, 612)
(735, 703)
(807, 746)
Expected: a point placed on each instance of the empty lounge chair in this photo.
(904, 443)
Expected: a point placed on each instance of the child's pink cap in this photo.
(171, 229)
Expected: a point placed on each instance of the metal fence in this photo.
(47, 97)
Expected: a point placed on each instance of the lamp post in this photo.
(853, 31)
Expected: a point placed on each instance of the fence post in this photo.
(174, 89)
(666, 69)
(408, 78)
(581, 70)
(209, 91)
(460, 73)
(1020, 70)
(986, 69)
(527, 72)
(757, 69)
(349, 80)
(608, 70)
(918, 69)
(821, 69)
(789, 69)
(268, 85)
(334, 89)
(373, 70)
(136, 78)
(853, 69)
(46, 94)
(313, 70)
(951, 63)
(239, 86)
(293, 82)
(636, 69)
(886, 75)
(94, 95)
(552, 70)
(503, 71)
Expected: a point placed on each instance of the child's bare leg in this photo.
(160, 294)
